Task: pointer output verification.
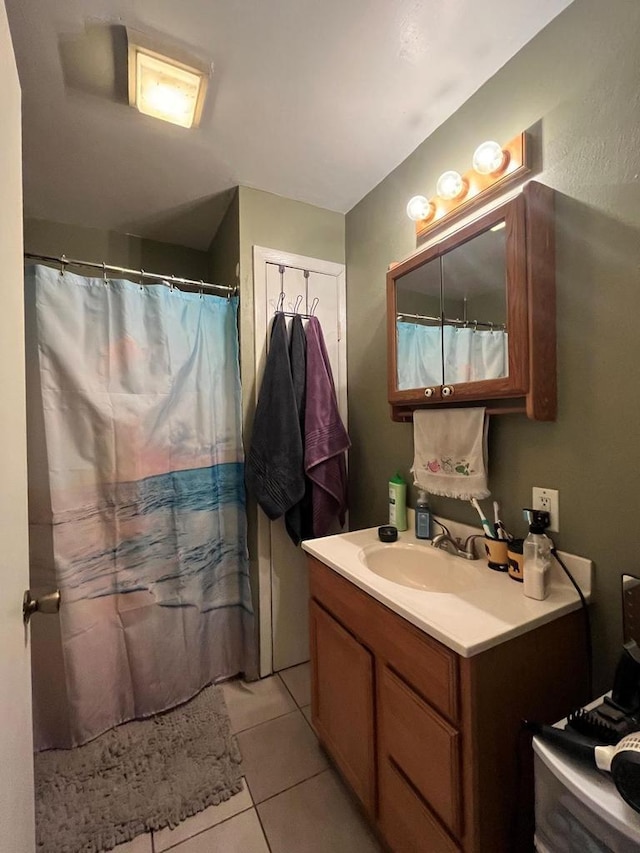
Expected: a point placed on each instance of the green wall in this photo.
(43, 237)
(580, 78)
(224, 251)
(274, 222)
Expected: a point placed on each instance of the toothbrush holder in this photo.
(516, 560)
(496, 550)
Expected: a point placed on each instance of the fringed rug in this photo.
(141, 776)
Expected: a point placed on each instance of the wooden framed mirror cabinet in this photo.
(471, 316)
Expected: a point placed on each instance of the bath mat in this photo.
(143, 775)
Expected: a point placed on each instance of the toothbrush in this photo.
(496, 519)
(485, 524)
(502, 531)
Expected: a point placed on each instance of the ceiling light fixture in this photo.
(171, 89)
(496, 168)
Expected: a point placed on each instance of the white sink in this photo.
(421, 567)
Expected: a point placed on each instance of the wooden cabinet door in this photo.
(342, 688)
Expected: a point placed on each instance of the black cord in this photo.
(587, 623)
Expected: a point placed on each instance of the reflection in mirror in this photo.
(418, 328)
(631, 609)
(474, 286)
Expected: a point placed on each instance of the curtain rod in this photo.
(141, 274)
(450, 321)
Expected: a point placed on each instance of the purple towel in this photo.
(326, 439)
(299, 520)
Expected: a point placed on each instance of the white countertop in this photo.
(490, 611)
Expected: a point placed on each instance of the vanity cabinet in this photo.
(429, 741)
(471, 317)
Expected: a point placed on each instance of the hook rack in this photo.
(281, 297)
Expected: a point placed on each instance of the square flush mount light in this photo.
(163, 87)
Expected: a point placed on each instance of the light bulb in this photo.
(419, 208)
(166, 98)
(451, 185)
(490, 159)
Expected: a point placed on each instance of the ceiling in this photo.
(315, 100)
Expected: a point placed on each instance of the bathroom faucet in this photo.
(447, 542)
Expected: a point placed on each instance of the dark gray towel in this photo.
(299, 519)
(275, 462)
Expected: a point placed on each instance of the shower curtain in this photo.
(469, 355)
(136, 500)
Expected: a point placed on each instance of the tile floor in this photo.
(292, 802)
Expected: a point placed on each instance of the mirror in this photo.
(451, 323)
(418, 327)
(475, 309)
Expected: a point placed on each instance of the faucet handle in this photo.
(468, 542)
(443, 526)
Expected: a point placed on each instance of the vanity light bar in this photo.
(473, 189)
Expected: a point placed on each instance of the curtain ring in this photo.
(491, 330)
(201, 288)
(104, 273)
(141, 282)
(475, 326)
(172, 285)
(63, 263)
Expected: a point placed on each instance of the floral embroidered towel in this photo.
(450, 451)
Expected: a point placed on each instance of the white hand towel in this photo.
(450, 451)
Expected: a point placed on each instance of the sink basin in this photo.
(421, 567)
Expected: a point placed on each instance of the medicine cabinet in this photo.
(471, 318)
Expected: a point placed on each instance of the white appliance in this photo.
(578, 809)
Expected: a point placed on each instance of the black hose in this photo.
(587, 624)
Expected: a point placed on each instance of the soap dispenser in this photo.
(423, 517)
(536, 558)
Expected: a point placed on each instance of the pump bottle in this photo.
(536, 554)
(423, 517)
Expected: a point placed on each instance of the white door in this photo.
(283, 575)
(16, 758)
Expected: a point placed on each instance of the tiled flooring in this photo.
(293, 801)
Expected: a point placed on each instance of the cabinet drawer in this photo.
(406, 823)
(423, 745)
(428, 666)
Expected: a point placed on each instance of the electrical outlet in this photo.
(549, 501)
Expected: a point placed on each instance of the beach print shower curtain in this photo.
(136, 500)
